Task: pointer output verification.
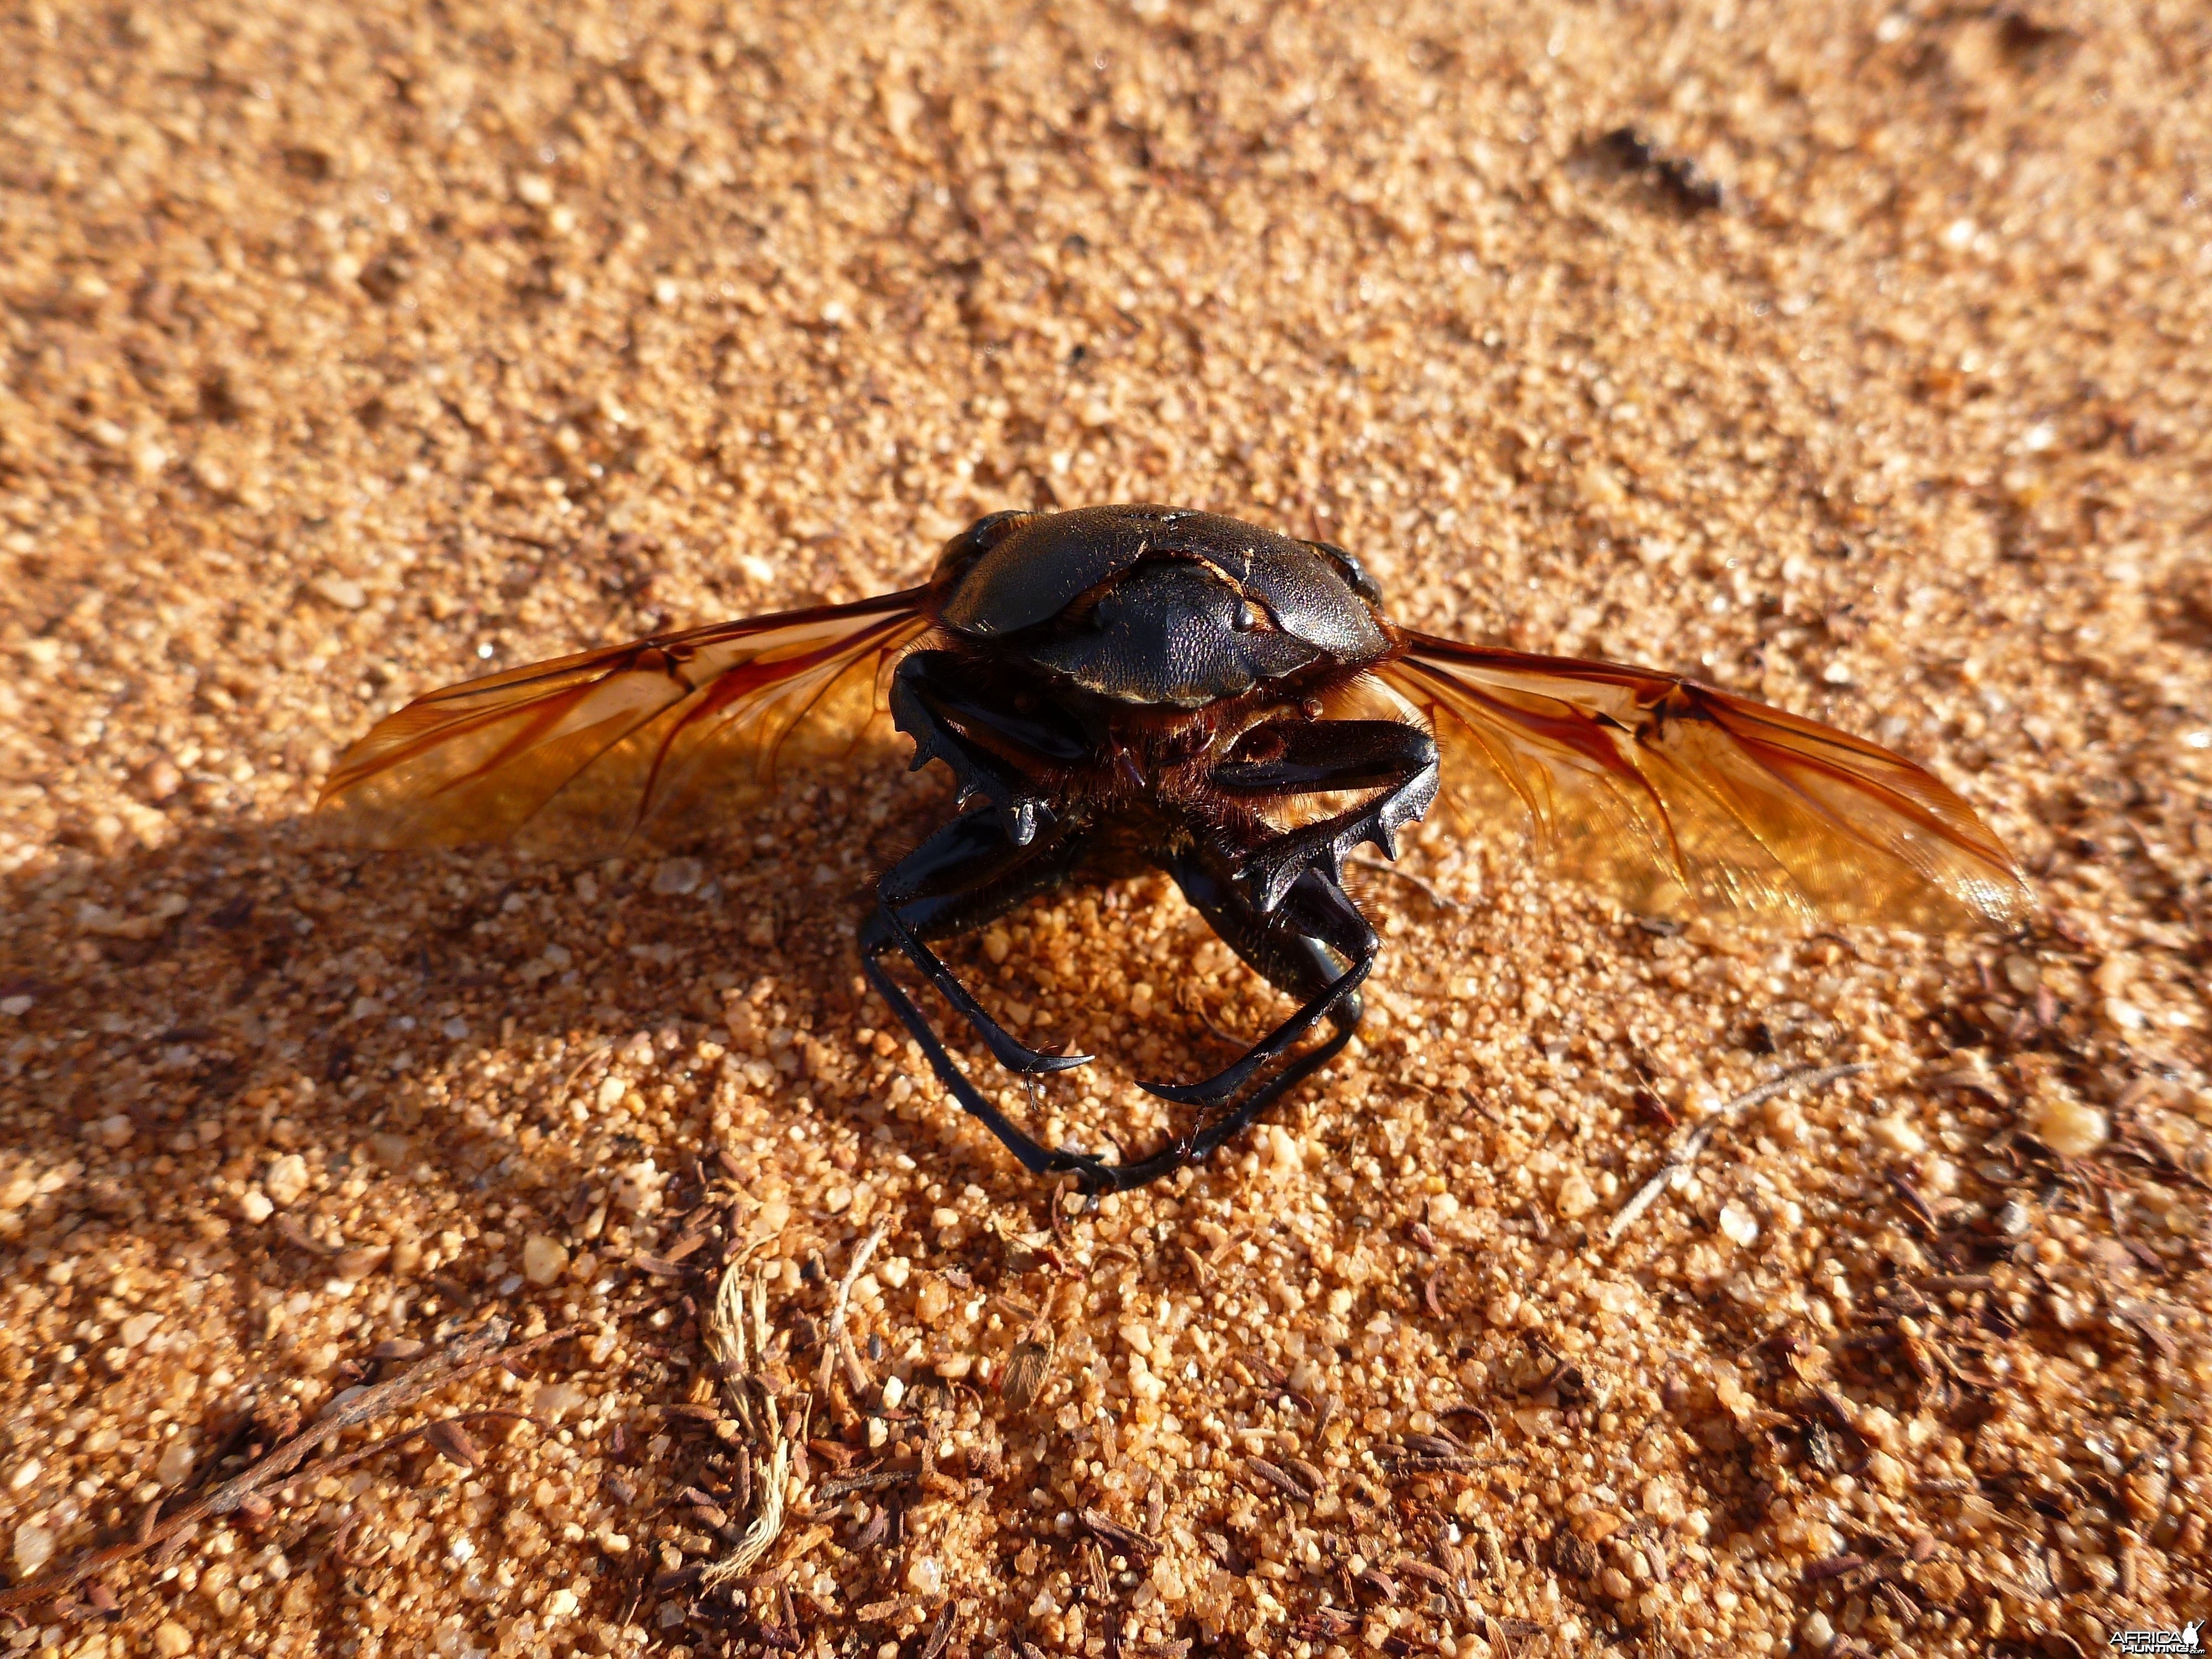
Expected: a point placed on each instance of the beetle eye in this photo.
(1246, 618)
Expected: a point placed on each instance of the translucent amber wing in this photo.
(577, 757)
(1676, 797)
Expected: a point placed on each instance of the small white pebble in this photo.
(172, 1640)
(176, 1462)
(34, 1547)
(1897, 1133)
(2067, 1127)
(544, 1259)
(1738, 1225)
(255, 1206)
(637, 1190)
(114, 1131)
(286, 1179)
(1818, 1631)
(1612, 1296)
(1576, 1197)
(26, 1472)
(562, 1604)
(341, 590)
(894, 1392)
(678, 876)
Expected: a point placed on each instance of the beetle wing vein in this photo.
(1675, 797)
(578, 756)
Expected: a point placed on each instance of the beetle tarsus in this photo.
(964, 876)
(1014, 1055)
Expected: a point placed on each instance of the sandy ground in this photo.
(354, 349)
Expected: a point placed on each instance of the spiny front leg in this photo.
(1316, 757)
(931, 704)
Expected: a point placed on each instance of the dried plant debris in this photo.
(1680, 183)
(352, 349)
(288, 1459)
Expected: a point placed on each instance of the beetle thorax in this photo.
(1169, 631)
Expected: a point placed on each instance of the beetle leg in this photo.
(961, 878)
(927, 698)
(892, 928)
(1293, 946)
(1096, 1177)
(1297, 947)
(1327, 754)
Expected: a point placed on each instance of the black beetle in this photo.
(1140, 687)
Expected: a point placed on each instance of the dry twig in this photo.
(840, 1344)
(1647, 1194)
(485, 1346)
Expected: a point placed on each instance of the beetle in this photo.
(1122, 688)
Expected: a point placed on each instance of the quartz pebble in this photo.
(544, 1259)
(285, 1179)
(2069, 1127)
(33, 1548)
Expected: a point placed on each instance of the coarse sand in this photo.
(1849, 357)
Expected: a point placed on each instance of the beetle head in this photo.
(957, 555)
